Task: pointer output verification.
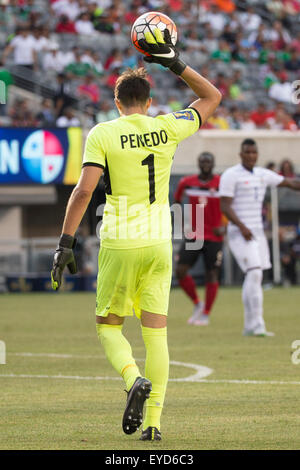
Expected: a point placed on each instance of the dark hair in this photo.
(270, 165)
(132, 87)
(248, 142)
(207, 155)
(285, 162)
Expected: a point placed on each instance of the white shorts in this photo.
(250, 254)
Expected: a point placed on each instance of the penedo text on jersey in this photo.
(149, 139)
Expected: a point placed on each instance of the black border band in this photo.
(93, 164)
(200, 120)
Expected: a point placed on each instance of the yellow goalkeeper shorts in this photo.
(133, 280)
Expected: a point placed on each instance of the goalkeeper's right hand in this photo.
(63, 257)
(162, 51)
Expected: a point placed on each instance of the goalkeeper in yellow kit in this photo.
(135, 153)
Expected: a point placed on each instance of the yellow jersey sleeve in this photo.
(184, 123)
(94, 153)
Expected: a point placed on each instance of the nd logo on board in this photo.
(42, 156)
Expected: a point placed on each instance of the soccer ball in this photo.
(148, 22)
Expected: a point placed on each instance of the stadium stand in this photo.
(61, 58)
(71, 52)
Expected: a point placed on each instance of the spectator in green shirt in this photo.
(266, 52)
(77, 68)
(6, 80)
(284, 55)
(223, 53)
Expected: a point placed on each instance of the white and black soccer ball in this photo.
(149, 22)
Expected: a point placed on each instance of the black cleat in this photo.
(151, 434)
(133, 414)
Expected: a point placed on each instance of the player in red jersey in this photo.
(202, 189)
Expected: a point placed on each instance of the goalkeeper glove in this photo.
(63, 257)
(162, 51)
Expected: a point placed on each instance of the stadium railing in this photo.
(25, 266)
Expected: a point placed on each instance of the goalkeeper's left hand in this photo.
(162, 51)
(63, 257)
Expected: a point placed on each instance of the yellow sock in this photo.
(157, 371)
(118, 352)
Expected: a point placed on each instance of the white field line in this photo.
(186, 379)
(199, 376)
(200, 371)
(55, 355)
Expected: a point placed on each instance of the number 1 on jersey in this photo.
(149, 161)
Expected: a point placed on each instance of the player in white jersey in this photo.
(242, 191)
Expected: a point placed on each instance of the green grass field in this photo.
(39, 410)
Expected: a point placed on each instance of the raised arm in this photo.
(162, 51)
(209, 96)
(290, 183)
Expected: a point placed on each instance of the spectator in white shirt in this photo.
(210, 42)
(193, 42)
(84, 26)
(54, 59)
(277, 32)
(23, 45)
(90, 57)
(250, 21)
(246, 123)
(282, 90)
(98, 64)
(234, 21)
(87, 57)
(41, 42)
(59, 6)
(215, 18)
(69, 56)
(70, 8)
(68, 119)
(104, 4)
(260, 35)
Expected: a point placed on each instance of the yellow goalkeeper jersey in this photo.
(136, 152)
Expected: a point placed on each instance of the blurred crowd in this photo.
(289, 235)
(285, 168)
(289, 230)
(249, 49)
